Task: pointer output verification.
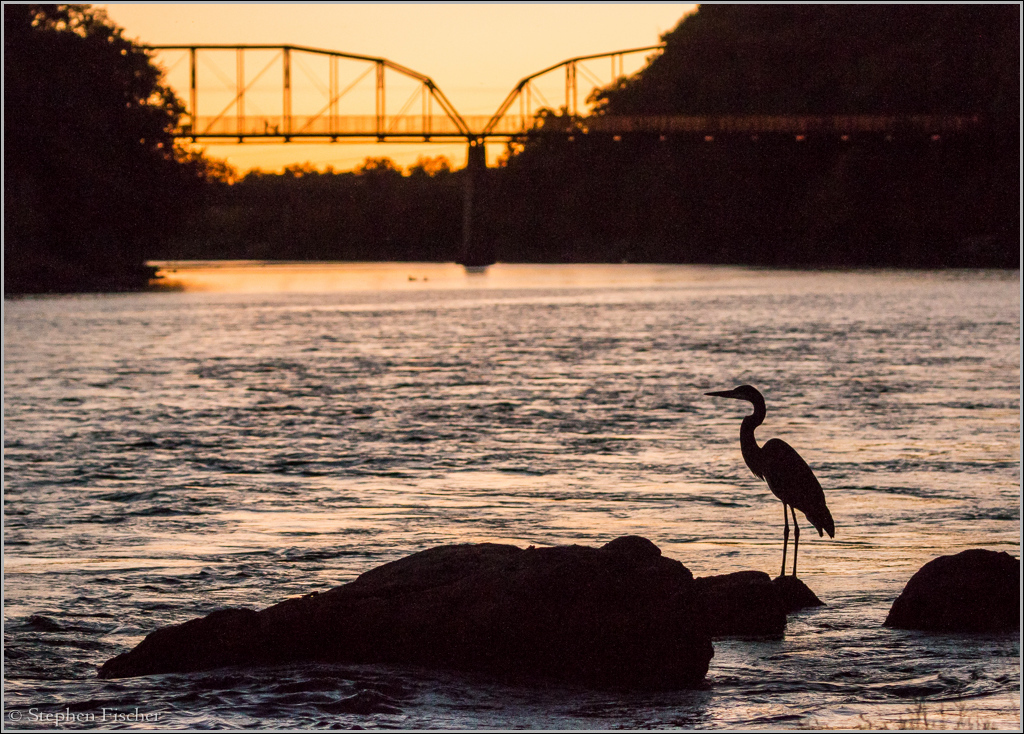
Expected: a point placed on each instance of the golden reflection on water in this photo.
(253, 276)
(175, 460)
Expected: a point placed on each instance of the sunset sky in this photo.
(476, 53)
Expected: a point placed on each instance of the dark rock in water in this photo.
(746, 603)
(750, 603)
(618, 615)
(223, 637)
(795, 594)
(974, 591)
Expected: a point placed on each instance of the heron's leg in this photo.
(785, 537)
(796, 538)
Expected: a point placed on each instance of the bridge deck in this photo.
(421, 127)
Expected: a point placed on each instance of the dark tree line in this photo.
(92, 176)
(781, 202)
(372, 213)
(832, 59)
(909, 201)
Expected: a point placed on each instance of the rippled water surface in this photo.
(269, 431)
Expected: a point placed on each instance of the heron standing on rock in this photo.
(787, 474)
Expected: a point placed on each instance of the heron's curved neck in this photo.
(748, 444)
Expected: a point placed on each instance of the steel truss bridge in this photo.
(291, 93)
(285, 93)
(256, 93)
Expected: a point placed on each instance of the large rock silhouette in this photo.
(973, 591)
(617, 615)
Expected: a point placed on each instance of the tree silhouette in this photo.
(780, 200)
(92, 172)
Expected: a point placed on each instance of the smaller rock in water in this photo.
(974, 591)
(795, 594)
(742, 604)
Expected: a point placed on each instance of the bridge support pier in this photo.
(474, 252)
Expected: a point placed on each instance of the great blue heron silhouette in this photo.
(787, 474)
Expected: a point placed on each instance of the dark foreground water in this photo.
(168, 454)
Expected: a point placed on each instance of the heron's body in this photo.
(786, 473)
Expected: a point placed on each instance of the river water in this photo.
(266, 431)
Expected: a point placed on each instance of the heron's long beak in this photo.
(722, 394)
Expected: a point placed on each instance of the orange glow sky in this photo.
(476, 53)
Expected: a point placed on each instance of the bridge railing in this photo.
(832, 125)
(511, 126)
(340, 126)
